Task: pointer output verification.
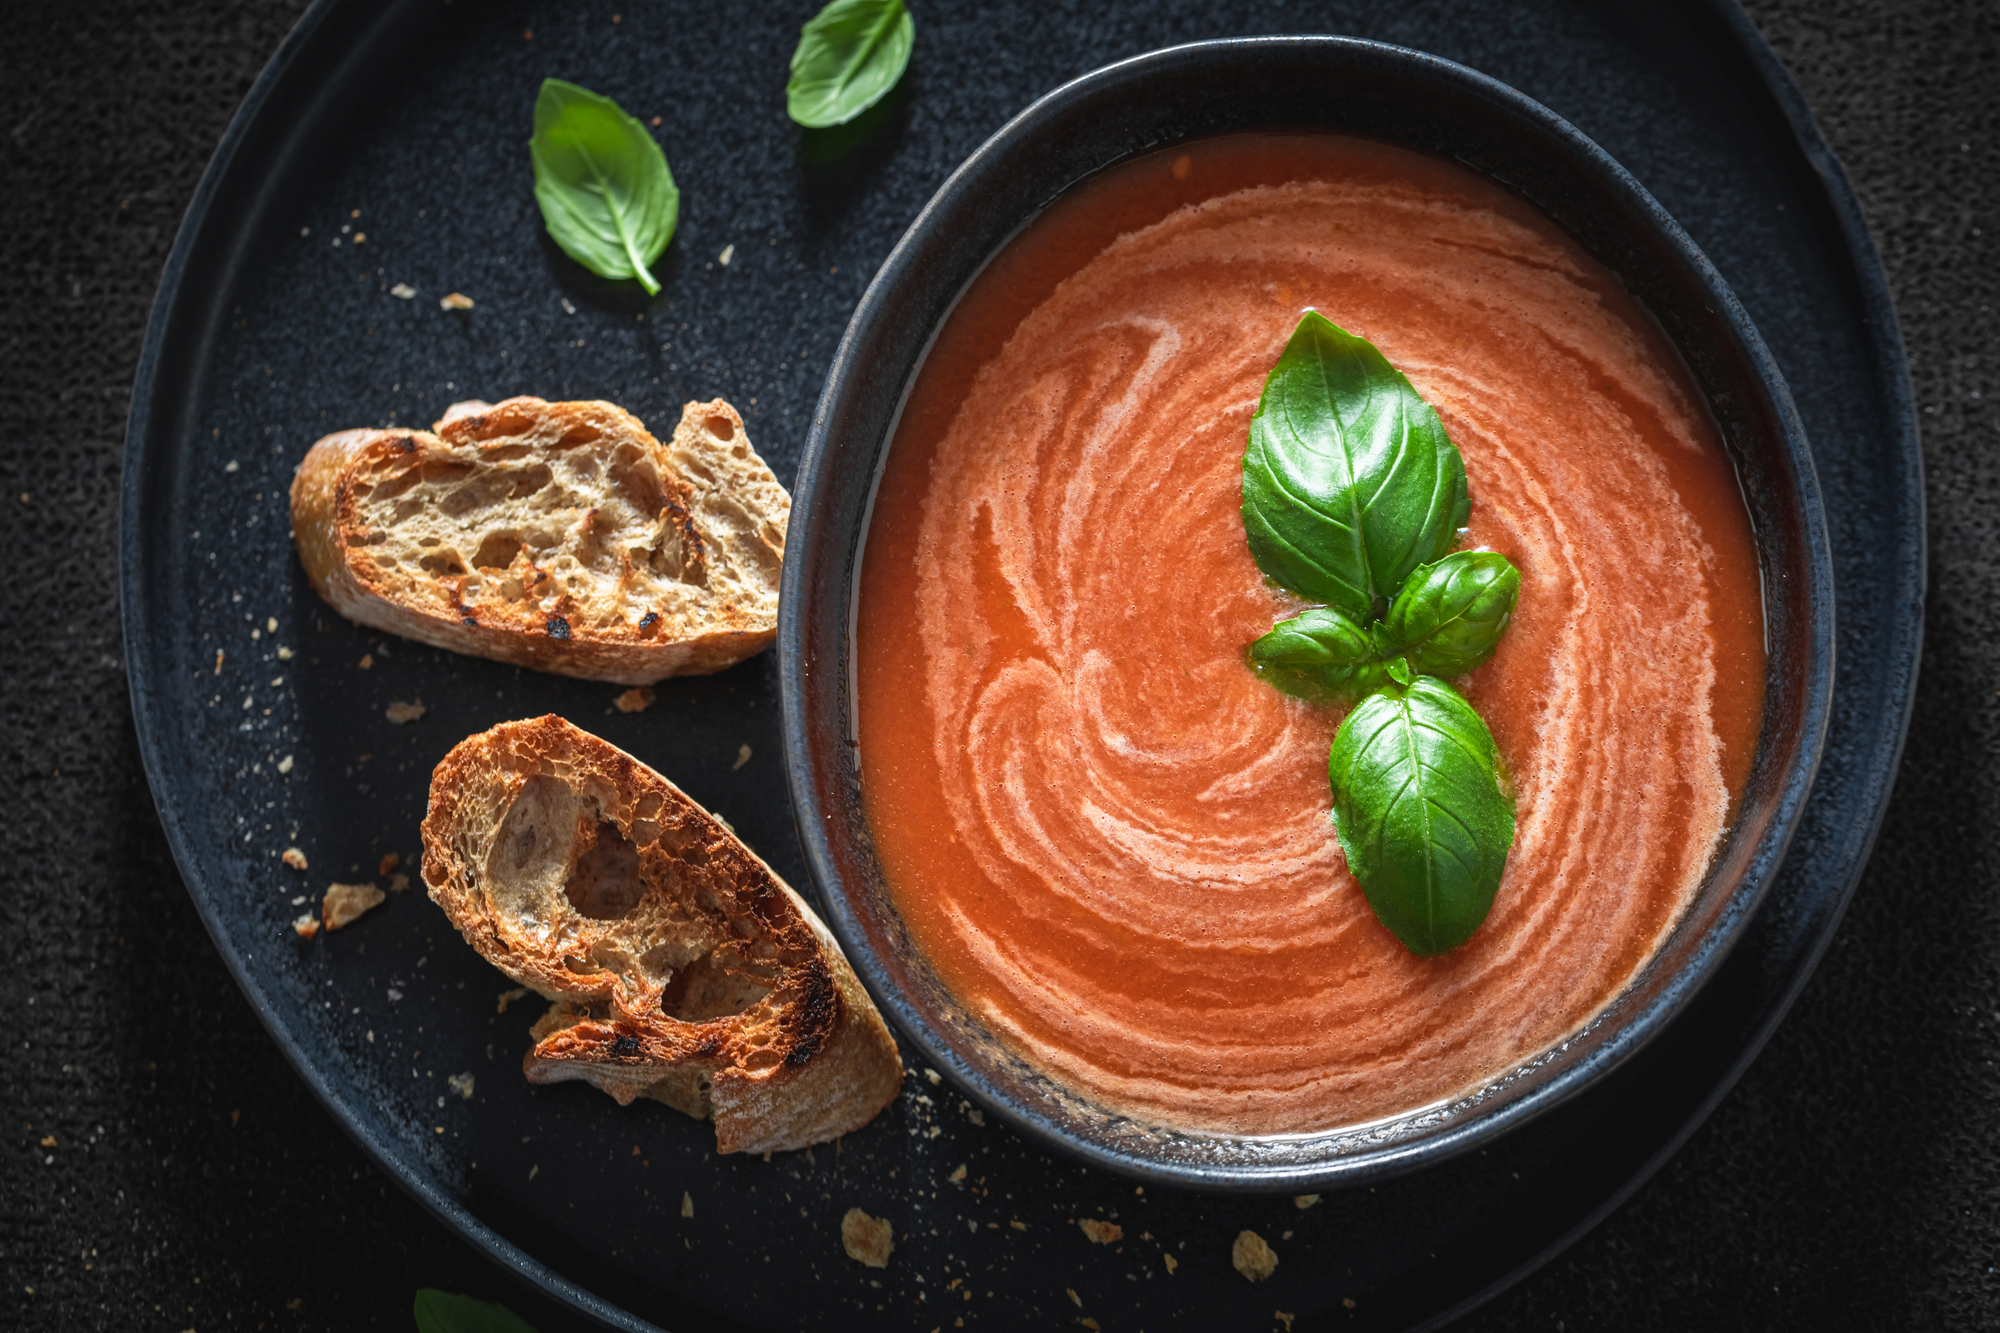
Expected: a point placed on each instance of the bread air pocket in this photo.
(559, 536)
(682, 969)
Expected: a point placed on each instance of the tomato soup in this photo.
(1110, 840)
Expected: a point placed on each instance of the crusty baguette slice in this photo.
(682, 968)
(559, 536)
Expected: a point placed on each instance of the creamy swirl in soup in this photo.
(1107, 836)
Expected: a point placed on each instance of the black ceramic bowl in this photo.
(1415, 101)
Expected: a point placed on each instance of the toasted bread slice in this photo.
(559, 536)
(681, 967)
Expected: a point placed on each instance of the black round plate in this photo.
(404, 123)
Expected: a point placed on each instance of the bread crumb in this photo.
(1172, 1263)
(958, 1176)
(285, 764)
(218, 661)
(1285, 1318)
(400, 712)
(867, 1240)
(306, 924)
(403, 291)
(455, 301)
(461, 1084)
(975, 1116)
(1018, 1226)
(399, 883)
(389, 862)
(687, 1204)
(728, 253)
(294, 858)
(742, 757)
(635, 700)
(48, 1140)
(1304, 1201)
(1253, 1258)
(344, 903)
(367, 660)
(1347, 1301)
(508, 997)
(933, 1076)
(284, 653)
(1101, 1233)
(1075, 1299)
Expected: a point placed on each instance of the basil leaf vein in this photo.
(1450, 615)
(849, 56)
(606, 193)
(1419, 812)
(1349, 480)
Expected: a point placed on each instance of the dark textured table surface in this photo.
(163, 1168)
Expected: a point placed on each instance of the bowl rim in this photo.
(851, 365)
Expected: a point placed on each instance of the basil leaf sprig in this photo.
(1353, 495)
(1320, 654)
(1419, 814)
(1350, 481)
(1450, 614)
(606, 193)
(849, 56)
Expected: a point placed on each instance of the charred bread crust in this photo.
(558, 536)
(682, 968)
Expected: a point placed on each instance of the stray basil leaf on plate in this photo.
(1450, 614)
(606, 193)
(442, 1312)
(1420, 813)
(1349, 481)
(849, 56)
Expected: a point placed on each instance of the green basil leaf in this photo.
(1317, 654)
(606, 193)
(1349, 480)
(1419, 811)
(849, 56)
(441, 1312)
(1450, 615)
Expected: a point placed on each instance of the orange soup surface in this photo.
(1109, 838)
